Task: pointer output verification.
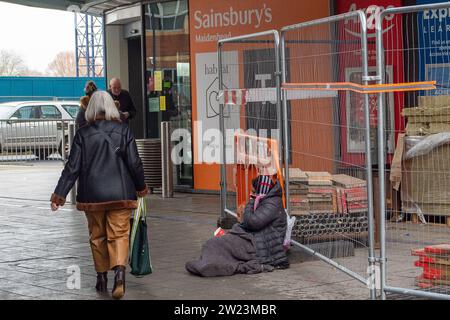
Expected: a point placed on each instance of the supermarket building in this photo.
(169, 49)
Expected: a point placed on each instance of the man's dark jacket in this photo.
(126, 103)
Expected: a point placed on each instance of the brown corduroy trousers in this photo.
(109, 233)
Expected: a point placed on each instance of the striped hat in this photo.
(263, 184)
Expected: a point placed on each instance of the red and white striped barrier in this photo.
(243, 96)
(235, 96)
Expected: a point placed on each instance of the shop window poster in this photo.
(354, 111)
(434, 44)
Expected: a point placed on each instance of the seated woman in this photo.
(256, 244)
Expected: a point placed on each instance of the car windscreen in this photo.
(71, 109)
(5, 112)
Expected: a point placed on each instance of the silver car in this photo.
(35, 127)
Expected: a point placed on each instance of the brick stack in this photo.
(435, 262)
(311, 192)
(351, 194)
(320, 193)
(328, 207)
(298, 191)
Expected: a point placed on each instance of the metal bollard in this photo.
(166, 159)
(71, 135)
(63, 142)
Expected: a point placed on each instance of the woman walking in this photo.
(105, 159)
(89, 90)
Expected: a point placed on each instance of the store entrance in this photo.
(168, 80)
(135, 84)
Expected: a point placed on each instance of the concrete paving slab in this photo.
(37, 246)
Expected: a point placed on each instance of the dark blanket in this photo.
(232, 253)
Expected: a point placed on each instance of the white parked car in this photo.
(35, 127)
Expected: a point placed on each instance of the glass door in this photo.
(168, 78)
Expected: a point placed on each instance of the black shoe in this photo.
(119, 282)
(102, 282)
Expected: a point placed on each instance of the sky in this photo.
(36, 34)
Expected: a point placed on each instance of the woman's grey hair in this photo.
(101, 105)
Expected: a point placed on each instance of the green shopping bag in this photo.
(139, 253)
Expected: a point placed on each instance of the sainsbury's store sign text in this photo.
(233, 17)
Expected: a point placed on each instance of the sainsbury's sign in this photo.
(233, 17)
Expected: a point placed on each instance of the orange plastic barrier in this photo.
(248, 167)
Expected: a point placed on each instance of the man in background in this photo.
(126, 105)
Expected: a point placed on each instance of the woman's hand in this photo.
(54, 206)
(240, 212)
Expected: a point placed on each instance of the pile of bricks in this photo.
(351, 194)
(327, 206)
(323, 193)
(298, 191)
(311, 192)
(435, 262)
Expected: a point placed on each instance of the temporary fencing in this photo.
(249, 83)
(361, 120)
(329, 156)
(414, 189)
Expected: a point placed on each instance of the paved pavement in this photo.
(39, 249)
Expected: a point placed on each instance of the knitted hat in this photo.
(263, 184)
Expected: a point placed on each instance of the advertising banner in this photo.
(434, 41)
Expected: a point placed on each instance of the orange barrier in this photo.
(248, 170)
(370, 88)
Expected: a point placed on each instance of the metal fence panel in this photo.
(329, 138)
(249, 81)
(412, 46)
(32, 140)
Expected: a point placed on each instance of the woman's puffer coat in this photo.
(268, 225)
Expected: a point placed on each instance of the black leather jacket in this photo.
(107, 181)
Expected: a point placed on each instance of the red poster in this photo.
(352, 107)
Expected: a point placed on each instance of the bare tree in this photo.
(34, 73)
(63, 65)
(83, 68)
(11, 64)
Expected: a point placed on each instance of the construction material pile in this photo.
(351, 194)
(435, 262)
(311, 192)
(327, 206)
(431, 116)
(423, 158)
(330, 226)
